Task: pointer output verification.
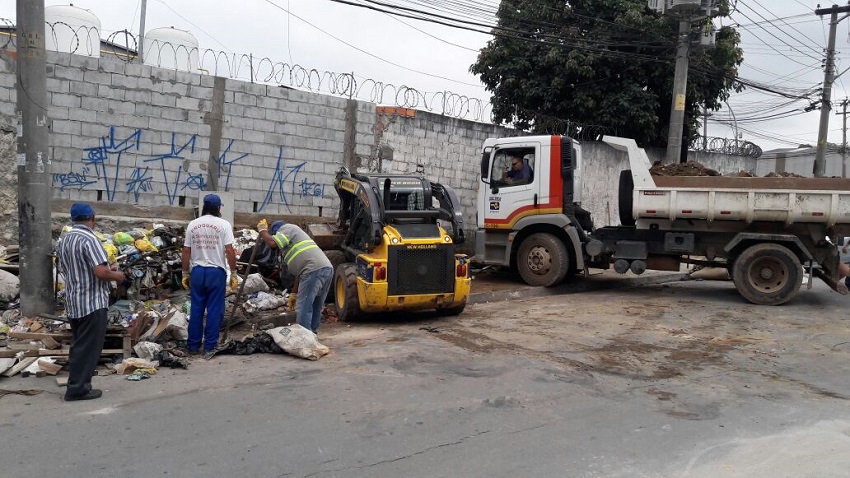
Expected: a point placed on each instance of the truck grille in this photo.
(420, 271)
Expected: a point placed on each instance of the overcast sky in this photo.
(783, 43)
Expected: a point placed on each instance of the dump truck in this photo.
(769, 233)
(394, 245)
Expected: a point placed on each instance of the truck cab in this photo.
(527, 224)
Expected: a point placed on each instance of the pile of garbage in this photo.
(149, 258)
(148, 321)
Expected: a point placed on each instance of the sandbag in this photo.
(298, 341)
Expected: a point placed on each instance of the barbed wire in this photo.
(247, 67)
(124, 45)
(545, 124)
(734, 147)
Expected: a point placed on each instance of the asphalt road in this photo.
(675, 380)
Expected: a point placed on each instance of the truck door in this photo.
(513, 186)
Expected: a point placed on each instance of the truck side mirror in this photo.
(485, 166)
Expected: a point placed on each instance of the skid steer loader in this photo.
(396, 249)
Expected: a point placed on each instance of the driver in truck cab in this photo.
(519, 173)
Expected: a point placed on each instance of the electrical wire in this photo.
(195, 25)
(463, 47)
(372, 54)
(817, 49)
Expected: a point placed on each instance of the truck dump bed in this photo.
(716, 198)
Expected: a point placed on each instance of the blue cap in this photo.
(212, 200)
(275, 226)
(81, 212)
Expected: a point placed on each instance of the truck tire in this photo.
(542, 260)
(345, 292)
(767, 274)
(625, 200)
(336, 257)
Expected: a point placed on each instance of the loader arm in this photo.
(450, 208)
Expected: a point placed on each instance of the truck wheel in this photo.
(767, 274)
(542, 260)
(345, 292)
(336, 257)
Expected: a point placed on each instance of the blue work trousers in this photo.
(313, 289)
(206, 288)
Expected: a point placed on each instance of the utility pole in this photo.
(829, 75)
(704, 128)
(34, 177)
(680, 85)
(843, 138)
(141, 47)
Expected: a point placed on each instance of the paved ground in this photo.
(673, 380)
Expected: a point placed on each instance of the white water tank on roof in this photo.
(71, 29)
(171, 48)
(685, 5)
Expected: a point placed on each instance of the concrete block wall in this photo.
(134, 134)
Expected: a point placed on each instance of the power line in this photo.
(816, 49)
(371, 54)
(195, 25)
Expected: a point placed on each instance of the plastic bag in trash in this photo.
(255, 283)
(122, 238)
(178, 326)
(264, 301)
(147, 350)
(131, 364)
(262, 343)
(138, 375)
(298, 341)
(144, 245)
(167, 359)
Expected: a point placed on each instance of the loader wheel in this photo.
(345, 291)
(336, 257)
(542, 260)
(767, 274)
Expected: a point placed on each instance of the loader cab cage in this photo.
(407, 202)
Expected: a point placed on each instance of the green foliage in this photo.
(605, 64)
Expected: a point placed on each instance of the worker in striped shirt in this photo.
(310, 266)
(87, 276)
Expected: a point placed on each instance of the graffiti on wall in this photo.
(285, 183)
(228, 163)
(115, 164)
(176, 155)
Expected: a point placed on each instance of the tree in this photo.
(587, 67)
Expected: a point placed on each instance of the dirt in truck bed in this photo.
(693, 168)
